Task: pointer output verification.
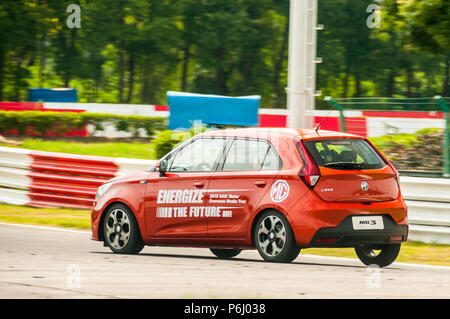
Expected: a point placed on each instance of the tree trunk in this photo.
(346, 78)
(121, 72)
(409, 81)
(390, 84)
(184, 72)
(279, 92)
(66, 78)
(357, 86)
(221, 80)
(145, 81)
(446, 86)
(2, 71)
(17, 81)
(64, 51)
(247, 72)
(130, 79)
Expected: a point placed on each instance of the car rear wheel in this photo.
(274, 238)
(225, 253)
(380, 255)
(121, 232)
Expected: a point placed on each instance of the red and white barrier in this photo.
(365, 123)
(49, 179)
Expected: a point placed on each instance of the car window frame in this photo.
(172, 154)
(230, 143)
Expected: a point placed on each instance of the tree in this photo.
(426, 25)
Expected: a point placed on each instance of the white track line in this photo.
(394, 264)
(48, 228)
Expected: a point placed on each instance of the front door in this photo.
(175, 203)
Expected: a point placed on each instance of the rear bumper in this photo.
(343, 235)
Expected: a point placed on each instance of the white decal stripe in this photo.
(227, 190)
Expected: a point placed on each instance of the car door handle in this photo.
(199, 184)
(260, 183)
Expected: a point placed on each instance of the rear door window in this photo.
(344, 154)
(251, 155)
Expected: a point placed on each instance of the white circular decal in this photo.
(279, 191)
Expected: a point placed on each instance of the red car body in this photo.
(219, 208)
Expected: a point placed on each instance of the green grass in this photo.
(69, 218)
(407, 139)
(109, 149)
(411, 252)
(401, 138)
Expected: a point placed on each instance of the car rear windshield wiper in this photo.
(349, 165)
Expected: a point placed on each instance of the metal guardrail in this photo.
(429, 109)
(428, 201)
(38, 178)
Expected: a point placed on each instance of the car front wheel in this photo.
(121, 232)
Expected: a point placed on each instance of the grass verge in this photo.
(411, 252)
(109, 149)
(69, 218)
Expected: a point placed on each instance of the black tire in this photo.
(226, 253)
(386, 256)
(121, 232)
(280, 248)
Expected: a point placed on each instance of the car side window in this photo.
(251, 155)
(198, 156)
(272, 160)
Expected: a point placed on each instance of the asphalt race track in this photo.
(47, 263)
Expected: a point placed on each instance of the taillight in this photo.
(310, 172)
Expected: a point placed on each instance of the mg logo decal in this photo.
(365, 186)
(279, 191)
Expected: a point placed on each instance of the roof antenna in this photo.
(318, 126)
(326, 116)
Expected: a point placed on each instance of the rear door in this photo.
(351, 171)
(246, 174)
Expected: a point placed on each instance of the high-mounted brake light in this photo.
(310, 172)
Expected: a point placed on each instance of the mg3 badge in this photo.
(365, 186)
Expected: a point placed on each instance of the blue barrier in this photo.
(185, 108)
(53, 95)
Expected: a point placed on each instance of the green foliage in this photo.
(108, 149)
(134, 51)
(165, 141)
(63, 122)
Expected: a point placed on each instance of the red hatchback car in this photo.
(278, 190)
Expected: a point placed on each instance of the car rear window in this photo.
(347, 154)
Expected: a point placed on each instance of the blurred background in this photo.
(134, 51)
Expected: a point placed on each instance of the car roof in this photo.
(259, 132)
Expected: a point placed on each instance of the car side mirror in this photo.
(162, 167)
